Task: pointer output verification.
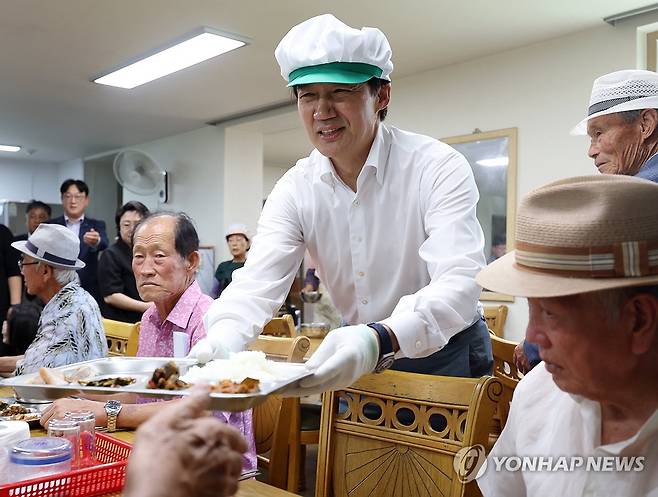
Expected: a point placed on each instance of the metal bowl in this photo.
(311, 297)
(315, 330)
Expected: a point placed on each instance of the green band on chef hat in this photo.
(334, 72)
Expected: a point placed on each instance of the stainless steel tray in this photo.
(141, 368)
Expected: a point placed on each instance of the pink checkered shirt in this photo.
(156, 340)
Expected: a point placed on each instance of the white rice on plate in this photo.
(241, 365)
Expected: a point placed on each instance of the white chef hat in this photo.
(326, 50)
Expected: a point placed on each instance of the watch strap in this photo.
(112, 410)
(385, 342)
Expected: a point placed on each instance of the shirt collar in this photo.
(649, 169)
(182, 312)
(79, 221)
(377, 158)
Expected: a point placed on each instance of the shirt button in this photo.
(356, 202)
(361, 274)
(418, 344)
(364, 301)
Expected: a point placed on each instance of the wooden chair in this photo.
(272, 418)
(506, 372)
(122, 338)
(400, 434)
(281, 327)
(495, 316)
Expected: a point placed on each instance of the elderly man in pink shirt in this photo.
(165, 262)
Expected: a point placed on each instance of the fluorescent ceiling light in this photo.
(193, 49)
(496, 161)
(9, 148)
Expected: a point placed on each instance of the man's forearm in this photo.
(15, 284)
(133, 415)
(122, 301)
(8, 364)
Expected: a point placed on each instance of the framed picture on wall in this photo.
(492, 156)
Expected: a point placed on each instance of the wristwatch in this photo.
(386, 353)
(112, 409)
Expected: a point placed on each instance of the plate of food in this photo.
(17, 412)
(237, 383)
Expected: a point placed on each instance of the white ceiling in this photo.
(51, 49)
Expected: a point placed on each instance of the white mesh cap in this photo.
(238, 229)
(323, 49)
(620, 91)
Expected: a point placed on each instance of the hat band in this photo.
(48, 256)
(355, 67)
(623, 260)
(606, 104)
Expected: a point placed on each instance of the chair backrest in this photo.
(398, 434)
(281, 327)
(495, 317)
(122, 338)
(272, 418)
(506, 372)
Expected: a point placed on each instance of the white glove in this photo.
(208, 349)
(343, 357)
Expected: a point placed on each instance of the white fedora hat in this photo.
(581, 235)
(620, 91)
(53, 244)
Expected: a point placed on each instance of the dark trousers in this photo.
(467, 354)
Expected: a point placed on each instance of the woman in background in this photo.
(115, 275)
(237, 238)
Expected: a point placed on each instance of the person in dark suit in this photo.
(36, 212)
(92, 234)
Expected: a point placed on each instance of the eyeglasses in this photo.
(22, 264)
(74, 196)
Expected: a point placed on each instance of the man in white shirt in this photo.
(585, 421)
(388, 216)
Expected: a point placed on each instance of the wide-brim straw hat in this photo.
(53, 244)
(620, 91)
(323, 49)
(581, 235)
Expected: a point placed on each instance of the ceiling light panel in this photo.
(9, 148)
(197, 47)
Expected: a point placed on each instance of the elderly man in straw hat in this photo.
(70, 328)
(587, 260)
(388, 216)
(622, 123)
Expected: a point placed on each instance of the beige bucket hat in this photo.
(620, 91)
(581, 235)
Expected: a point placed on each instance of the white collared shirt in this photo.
(74, 226)
(405, 248)
(545, 421)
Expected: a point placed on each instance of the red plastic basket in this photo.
(109, 476)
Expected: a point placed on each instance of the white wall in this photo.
(23, 180)
(194, 161)
(542, 89)
(243, 179)
(272, 174)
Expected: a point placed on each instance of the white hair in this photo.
(65, 276)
